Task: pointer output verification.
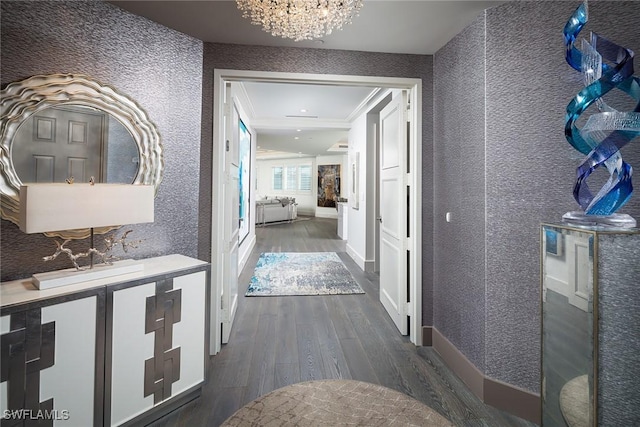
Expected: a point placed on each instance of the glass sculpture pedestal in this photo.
(590, 300)
(613, 221)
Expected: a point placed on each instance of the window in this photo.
(277, 178)
(292, 178)
(305, 178)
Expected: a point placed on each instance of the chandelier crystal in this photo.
(300, 19)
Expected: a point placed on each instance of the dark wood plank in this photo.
(225, 404)
(262, 367)
(286, 337)
(286, 374)
(341, 323)
(358, 361)
(335, 364)
(240, 353)
(309, 356)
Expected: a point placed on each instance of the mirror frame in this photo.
(20, 100)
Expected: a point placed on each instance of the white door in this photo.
(59, 143)
(393, 211)
(231, 202)
(580, 282)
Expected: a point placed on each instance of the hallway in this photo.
(277, 341)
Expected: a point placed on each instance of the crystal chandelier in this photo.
(299, 19)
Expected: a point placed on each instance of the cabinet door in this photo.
(52, 363)
(155, 344)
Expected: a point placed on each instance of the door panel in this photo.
(391, 226)
(231, 254)
(59, 143)
(580, 284)
(44, 168)
(232, 217)
(390, 132)
(393, 211)
(389, 247)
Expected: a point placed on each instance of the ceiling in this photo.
(303, 119)
(393, 26)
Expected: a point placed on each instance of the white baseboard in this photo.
(356, 257)
(306, 211)
(365, 265)
(326, 215)
(557, 285)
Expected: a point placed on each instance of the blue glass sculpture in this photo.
(605, 66)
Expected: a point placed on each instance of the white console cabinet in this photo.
(108, 352)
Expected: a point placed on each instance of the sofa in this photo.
(276, 210)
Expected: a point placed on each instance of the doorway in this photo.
(413, 182)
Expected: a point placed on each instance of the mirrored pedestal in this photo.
(590, 326)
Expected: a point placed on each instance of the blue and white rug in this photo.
(301, 273)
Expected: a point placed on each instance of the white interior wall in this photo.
(558, 269)
(371, 194)
(357, 225)
(306, 200)
(335, 159)
(363, 139)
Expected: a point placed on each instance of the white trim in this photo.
(246, 99)
(355, 256)
(217, 216)
(325, 213)
(557, 285)
(366, 265)
(304, 78)
(366, 104)
(217, 226)
(415, 212)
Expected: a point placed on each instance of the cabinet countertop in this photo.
(23, 291)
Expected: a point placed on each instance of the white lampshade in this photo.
(56, 207)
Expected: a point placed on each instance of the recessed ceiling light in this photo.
(296, 137)
(303, 110)
(298, 130)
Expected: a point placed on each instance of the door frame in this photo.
(414, 179)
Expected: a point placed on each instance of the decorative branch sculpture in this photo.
(106, 257)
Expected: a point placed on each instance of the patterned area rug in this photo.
(301, 273)
(336, 403)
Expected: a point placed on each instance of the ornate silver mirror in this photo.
(56, 126)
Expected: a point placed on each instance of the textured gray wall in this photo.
(528, 174)
(530, 168)
(619, 342)
(159, 67)
(459, 263)
(323, 61)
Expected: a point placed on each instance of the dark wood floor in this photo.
(277, 341)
